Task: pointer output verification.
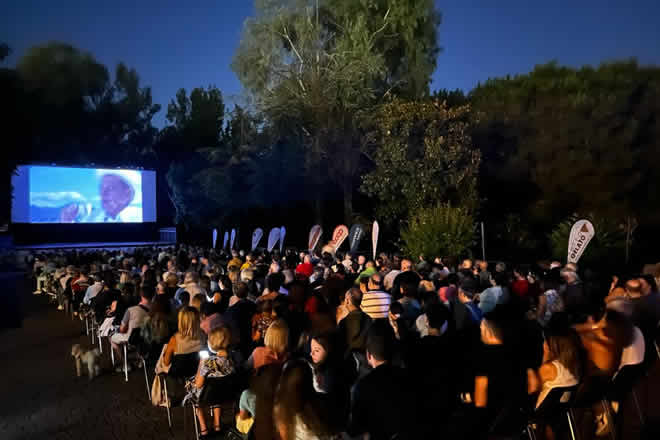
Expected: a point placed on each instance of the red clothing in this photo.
(520, 288)
(305, 269)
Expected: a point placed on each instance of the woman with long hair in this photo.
(299, 412)
(188, 338)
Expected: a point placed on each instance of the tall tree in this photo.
(79, 112)
(423, 156)
(575, 140)
(321, 65)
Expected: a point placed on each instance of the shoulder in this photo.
(548, 371)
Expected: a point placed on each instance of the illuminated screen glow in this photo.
(46, 194)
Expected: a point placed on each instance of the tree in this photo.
(560, 140)
(423, 155)
(321, 66)
(5, 51)
(78, 113)
(439, 231)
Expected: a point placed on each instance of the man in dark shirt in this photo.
(381, 403)
(353, 328)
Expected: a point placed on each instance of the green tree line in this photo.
(341, 125)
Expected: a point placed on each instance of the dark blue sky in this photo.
(174, 44)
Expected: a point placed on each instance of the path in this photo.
(43, 398)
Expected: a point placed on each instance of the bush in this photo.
(608, 244)
(441, 231)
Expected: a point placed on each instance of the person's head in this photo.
(571, 266)
(380, 343)
(277, 337)
(147, 293)
(361, 260)
(296, 398)
(499, 279)
(207, 309)
(160, 288)
(184, 297)
(438, 317)
(191, 278)
(500, 267)
(634, 287)
(565, 348)
(466, 292)
(219, 339)
(569, 276)
(274, 281)
(188, 325)
(483, 265)
(320, 348)
(409, 289)
(197, 301)
(406, 265)
(466, 264)
(171, 265)
(353, 298)
(518, 273)
(241, 290)
(171, 280)
(647, 284)
(266, 307)
(375, 282)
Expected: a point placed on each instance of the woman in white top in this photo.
(560, 368)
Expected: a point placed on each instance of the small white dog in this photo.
(90, 358)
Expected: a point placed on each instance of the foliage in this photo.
(423, 156)
(75, 102)
(320, 66)
(439, 231)
(559, 140)
(607, 245)
(5, 51)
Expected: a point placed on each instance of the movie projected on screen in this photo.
(49, 194)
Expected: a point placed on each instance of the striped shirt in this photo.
(376, 304)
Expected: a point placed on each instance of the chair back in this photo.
(184, 365)
(625, 379)
(219, 390)
(558, 399)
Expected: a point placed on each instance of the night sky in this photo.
(174, 44)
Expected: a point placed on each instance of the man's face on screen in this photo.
(116, 194)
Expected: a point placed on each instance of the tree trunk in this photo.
(348, 201)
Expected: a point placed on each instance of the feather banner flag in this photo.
(256, 237)
(314, 237)
(273, 237)
(375, 229)
(282, 234)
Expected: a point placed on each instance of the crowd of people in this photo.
(342, 346)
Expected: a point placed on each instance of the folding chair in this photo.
(219, 392)
(558, 402)
(183, 366)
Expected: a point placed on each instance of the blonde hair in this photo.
(189, 323)
(219, 338)
(197, 301)
(171, 280)
(277, 337)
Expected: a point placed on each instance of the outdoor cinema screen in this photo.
(48, 194)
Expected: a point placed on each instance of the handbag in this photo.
(158, 397)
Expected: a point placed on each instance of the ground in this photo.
(43, 399)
